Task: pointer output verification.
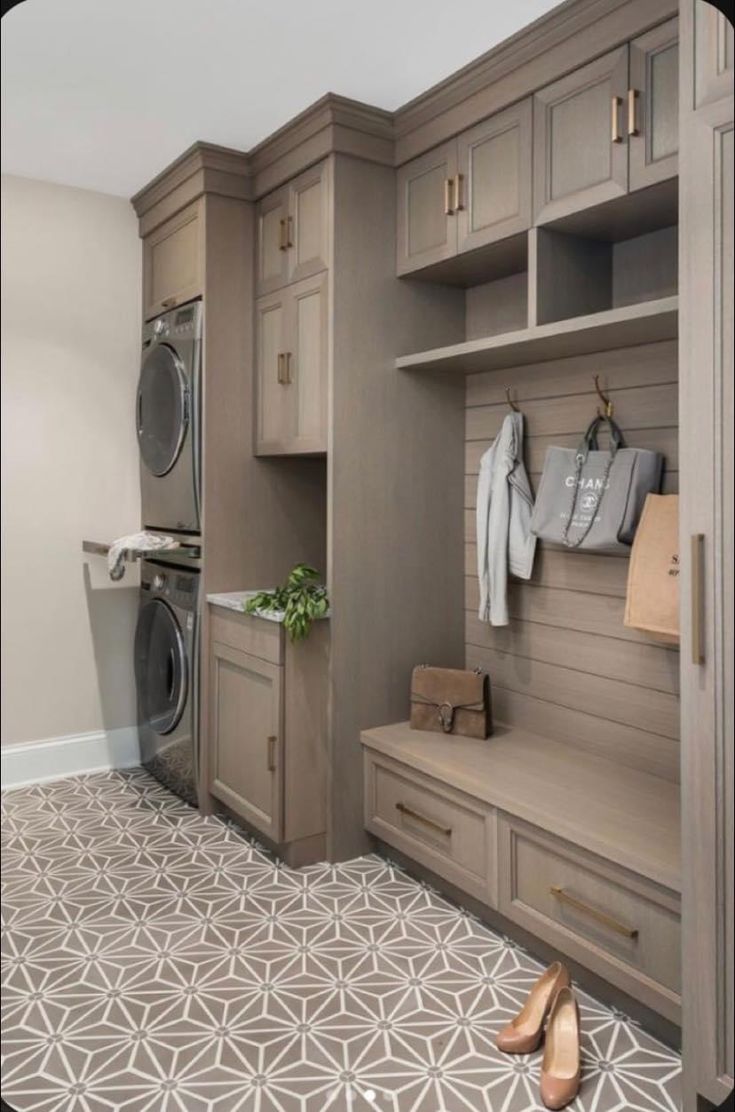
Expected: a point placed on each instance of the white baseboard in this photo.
(53, 758)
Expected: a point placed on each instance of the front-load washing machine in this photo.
(167, 418)
(167, 674)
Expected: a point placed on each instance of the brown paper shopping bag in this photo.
(652, 603)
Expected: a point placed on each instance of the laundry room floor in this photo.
(154, 960)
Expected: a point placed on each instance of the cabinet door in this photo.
(272, 403)
(272, 242)
(426, 220)
(308, 223)
(307, 365)
(173, 269)
(652, 108)
(246, 737)
(494, 166)
(580, 149)
(714, 46)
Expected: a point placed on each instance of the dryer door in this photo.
(162, 409)
(161, 672)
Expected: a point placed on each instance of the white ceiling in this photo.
(103, 94)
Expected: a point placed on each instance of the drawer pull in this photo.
(272, 754)
(600, 916)
(447, 830)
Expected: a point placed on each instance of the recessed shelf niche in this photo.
(577, 275)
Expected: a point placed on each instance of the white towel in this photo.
(136, 542)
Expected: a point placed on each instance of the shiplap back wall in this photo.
(566, 666)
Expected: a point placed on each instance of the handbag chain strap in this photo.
(589, 441)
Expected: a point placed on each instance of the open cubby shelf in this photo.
(627, 816)
(641, 323)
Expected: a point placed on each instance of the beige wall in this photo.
(70, 339)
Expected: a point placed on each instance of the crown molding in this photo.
(203, 167)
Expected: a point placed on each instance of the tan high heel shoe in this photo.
(523, 1034)
(561, 1068)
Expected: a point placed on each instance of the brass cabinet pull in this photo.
(447, 830)
(287, 370)
(288, 222)
(448, 210)
(697, 588)
(600, 916)
(272, 753)
(458, 197)
(632, 102)
(282, 235)
(615, 135)
(284, 368)
(280, 363)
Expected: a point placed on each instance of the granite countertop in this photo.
(235, 600)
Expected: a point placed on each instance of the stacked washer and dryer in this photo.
(168, 424)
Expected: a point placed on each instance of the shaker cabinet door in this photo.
(272, 250)
(307, 365)
(652, 106)
(246, 737)
(308, 223)
(272, 403)
(580, 146)
(426, 220)
(173, 270)
(494, 168)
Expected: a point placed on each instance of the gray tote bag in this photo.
(591, 499)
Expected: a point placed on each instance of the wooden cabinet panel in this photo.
(273, 409)
(246, 737)
(272, 255)
(308, 379)
(624, 927)
(292, 369)
(714, 54)
(173, 262)
(494, 161)
(580, 150)
(426, 224)
(308, 227)
(652, 110)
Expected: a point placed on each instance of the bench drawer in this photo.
(448, 832)
(247, 634)
(621, 925)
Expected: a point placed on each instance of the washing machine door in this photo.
(162, 409)
(161, 672)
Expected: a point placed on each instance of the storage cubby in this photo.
(576, 275)
(494, 308)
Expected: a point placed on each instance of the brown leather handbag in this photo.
(451, 701)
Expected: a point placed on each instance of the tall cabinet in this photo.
(706, 405)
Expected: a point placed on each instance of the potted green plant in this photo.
(297, 603)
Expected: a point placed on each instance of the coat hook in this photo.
(511, 403)
(605, 400)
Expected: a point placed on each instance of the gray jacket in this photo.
(504, 506)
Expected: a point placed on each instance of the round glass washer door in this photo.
(161, 672)
(162, 410)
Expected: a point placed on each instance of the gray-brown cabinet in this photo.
(291, 369)
(293, 230)
(466, 193)
(173, 261)
(609, 127)
(267, 729)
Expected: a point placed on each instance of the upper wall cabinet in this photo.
(469, 192)
(291, 362)
(173, 261)
(580, 158)
(293, 231)
(609, 127)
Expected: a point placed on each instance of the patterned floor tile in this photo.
(154, 960)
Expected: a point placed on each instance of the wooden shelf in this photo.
(643, 323)
(625, 816)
